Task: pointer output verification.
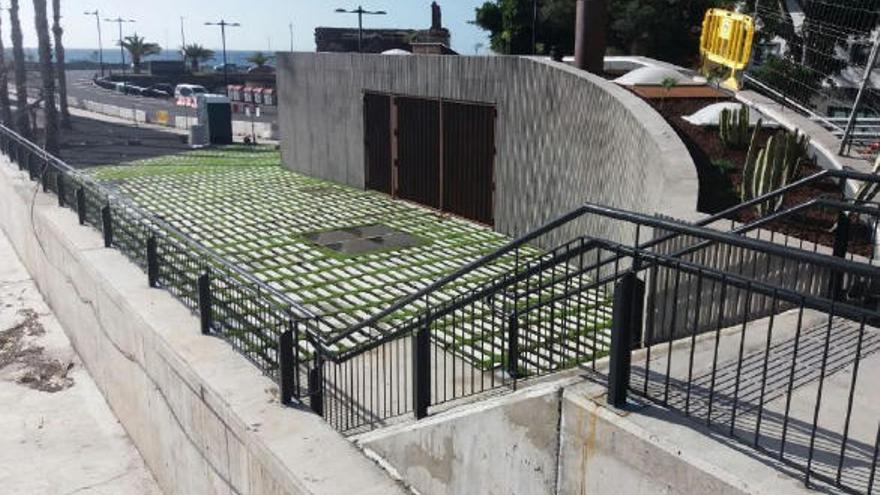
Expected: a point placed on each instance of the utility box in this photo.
(198, 136)
(215, 113)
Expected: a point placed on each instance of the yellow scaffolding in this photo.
(726, 44)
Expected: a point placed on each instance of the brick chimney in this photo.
(436, 20)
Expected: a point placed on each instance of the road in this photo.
(80, 85)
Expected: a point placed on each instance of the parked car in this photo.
(261, 69)
(160, 90)
(185, 94)
(230, 68)
(131, 89)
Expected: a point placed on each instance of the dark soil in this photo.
(34, 369)
(719, 189)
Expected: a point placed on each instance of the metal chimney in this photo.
(591, 19)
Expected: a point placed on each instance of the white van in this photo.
(185, 94)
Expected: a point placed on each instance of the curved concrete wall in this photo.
(563, 136)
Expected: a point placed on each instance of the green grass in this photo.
(239, 202)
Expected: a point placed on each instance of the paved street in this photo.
(80, 86)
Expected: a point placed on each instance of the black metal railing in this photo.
(231, 303)
(787, 385)
(532, 313)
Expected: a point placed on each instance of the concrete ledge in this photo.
(651, 451)
(204, 419)
(503, 445)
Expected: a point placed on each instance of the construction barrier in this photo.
(726, 45)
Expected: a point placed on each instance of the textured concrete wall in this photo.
(501, 446)
(205, 420)
(563, 136)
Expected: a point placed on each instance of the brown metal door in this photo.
(468, 160)
(377, 142)
(418, 150)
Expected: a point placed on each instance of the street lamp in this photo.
(182, 40)
(360, 13)
(223, 25)
(100, 43)
(120, 21)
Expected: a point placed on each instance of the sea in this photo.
(112, 56)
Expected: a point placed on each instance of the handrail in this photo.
(164, 225)
(678, 228)
(818, 303)
(572, 215)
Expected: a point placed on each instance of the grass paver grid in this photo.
(241, 203)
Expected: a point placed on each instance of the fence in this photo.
(540, 312)
(231, 303)
(819, 57)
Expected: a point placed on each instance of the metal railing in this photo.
(536, 312)
(253, 317)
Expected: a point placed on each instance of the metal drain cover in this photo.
(363, 239)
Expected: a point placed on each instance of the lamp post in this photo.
(182, 41)
(100, 43)
(534, 27)
(223, 25)
(120, 21)
(360, 13)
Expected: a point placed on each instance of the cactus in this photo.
(773, 167)
(733, 128)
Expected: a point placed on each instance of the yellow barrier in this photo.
(162, 117)
(726, 42)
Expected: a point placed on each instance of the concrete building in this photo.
(560, 136)
(333, 39)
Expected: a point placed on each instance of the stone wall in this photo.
(564, 136)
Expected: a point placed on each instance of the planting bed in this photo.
(345, 254)
(720, 175)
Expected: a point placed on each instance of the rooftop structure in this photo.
(334, 39)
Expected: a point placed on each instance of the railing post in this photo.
(29, 165)
(107, 226)
(513, 346)
(421, 366)
(81, 205)
(44, 176)
(286, 364)
(152, 262)
(316, 385)
(59, 186)
(205, 303)
(841, 243)
(629, 300)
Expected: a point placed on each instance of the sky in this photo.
(264, 23)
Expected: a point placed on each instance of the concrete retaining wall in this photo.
(561, 438)
(563, 136)
(500, 446)
(204, 419)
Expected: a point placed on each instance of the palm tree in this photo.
(22, 121)
(5, 110)
(196, 54)
(259, 59)
(41, 22)
(138, 48)
(57, 31)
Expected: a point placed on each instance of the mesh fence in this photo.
(814, 56)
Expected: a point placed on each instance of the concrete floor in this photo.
(748, 391)
(57, 434)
